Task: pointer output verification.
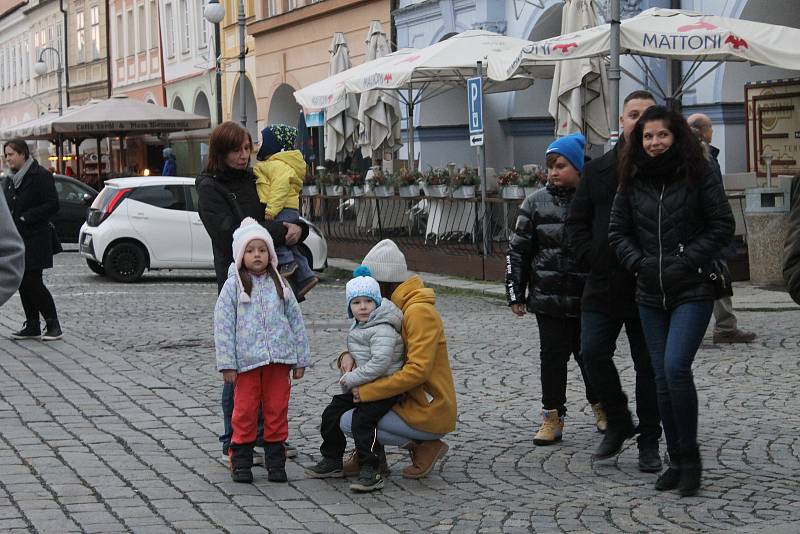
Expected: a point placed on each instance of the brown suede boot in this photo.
(423, 457)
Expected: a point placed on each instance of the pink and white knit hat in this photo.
(249, 230)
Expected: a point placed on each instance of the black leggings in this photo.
(36, 299)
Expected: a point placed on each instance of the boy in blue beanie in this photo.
(539, 263)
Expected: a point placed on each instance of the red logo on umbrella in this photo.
(736, 42)
(387, 77)
(565, 47)
(409, 59)
(702, 25)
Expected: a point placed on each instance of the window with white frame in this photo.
(153, 24)
(291, 4)
(2, 68)
(185, 26)
(26, 61)
(169, 36)
(80, 30)
(120, 37)
(141, 26)
(202, 26)
(95, 36)
(13, 65)
(131, 34)
(272, 8)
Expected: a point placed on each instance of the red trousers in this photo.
(268, 385)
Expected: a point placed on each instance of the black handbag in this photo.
(54, 240)
(720, 276)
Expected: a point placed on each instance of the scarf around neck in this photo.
(20, 174)
(664, 168)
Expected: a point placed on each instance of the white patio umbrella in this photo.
(666, 33)
(341, 116)
(580, 86)
(378, 113)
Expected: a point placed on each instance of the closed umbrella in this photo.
(378, 112)
(580, 86)
(341, 117)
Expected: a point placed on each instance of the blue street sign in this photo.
(475, 104)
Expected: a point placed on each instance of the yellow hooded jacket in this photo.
(279, 181)
(427, 368)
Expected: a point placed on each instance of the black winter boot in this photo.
(52, 331)
(276, 462)
(691, 472)
(668, 480)
(242, 462)
(30, 330)
(617, 433)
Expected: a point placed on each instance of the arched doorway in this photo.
(283, 108)
(201, 106)
(250, 107)
(178, 104)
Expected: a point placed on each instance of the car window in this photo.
(194, 198)
(69, 192)
(169, 197)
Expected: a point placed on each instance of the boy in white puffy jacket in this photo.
(375, 343)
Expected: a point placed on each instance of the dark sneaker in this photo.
(649, 461)
(734, 336)
(613, 440)
(368, 480)
(242, 474)
(53, 331)
(277, 474)
(304, 286)
(27, 332)
(351, 467)
(288, 269)
(291, 450)
(325, 468)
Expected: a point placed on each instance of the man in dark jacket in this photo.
(725, 325)
(608, 304)
(12, 254)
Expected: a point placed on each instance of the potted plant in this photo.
(533, 179)
(464, 182)
(509, 182)
(408, 182)
(333, 184)
(354, 183)
(380, 184)
(310, 187)
(435, 183)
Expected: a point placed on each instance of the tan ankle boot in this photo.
(551, 429)
(600, 420)
(351, 468)
(423, 457)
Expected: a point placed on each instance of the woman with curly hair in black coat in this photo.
(669, 221)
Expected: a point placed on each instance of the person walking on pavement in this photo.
(725, 324)
(669, 222)
(226, 195)
(608, 304)
(170, 163)
(31, 196)
(260, 340)
(12, 254)
(427, 409)
(538, 262)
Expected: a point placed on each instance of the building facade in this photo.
(87, 55)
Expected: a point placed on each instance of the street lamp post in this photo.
(40, 68)
(214, 13)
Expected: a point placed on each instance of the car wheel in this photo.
(125, 262)
(96, 267)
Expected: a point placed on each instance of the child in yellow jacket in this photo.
(279, 180)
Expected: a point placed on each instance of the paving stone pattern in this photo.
(113, 429)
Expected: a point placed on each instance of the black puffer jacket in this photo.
(220, 219)
(668, 232)
(791, 247)
(538, 259)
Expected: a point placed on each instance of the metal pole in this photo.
(614, 73)
(241, 64)
(218, 75)
(410, 130)
(482, 172)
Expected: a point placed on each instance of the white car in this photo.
(152, 223)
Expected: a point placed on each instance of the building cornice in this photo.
(302, 14)
(12, 9)
(41, 3)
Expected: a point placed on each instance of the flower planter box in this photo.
(310, 190)
(334, 190)
(464, 191)
(530, 190)
(436, 191)
(408, 191)
(383, 191)
(357, 191)
(512, 192)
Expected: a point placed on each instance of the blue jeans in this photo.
(392, 430)
(673, 337)
(599, 333)
(290, 254)
(227, 414)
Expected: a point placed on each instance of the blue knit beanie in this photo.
(571, 147)
(362, 285)
(276, 138)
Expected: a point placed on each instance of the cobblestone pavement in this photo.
(113, 429)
